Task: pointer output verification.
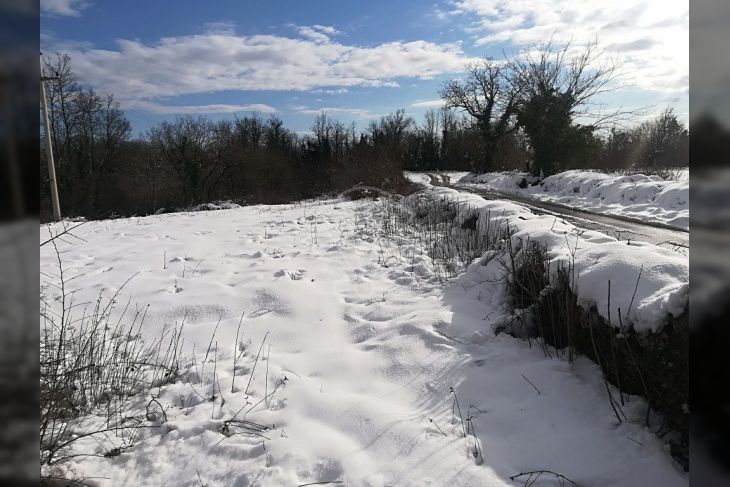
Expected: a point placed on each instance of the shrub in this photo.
(653, 365)
(96, 374)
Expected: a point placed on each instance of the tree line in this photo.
(542, 109)
(530, 112)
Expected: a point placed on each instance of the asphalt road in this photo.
(623, 228)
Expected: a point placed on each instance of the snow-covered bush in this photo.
(215, 205)
(452, 234)
(653, 364)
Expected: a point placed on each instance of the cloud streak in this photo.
(353, 112)
(201, 109)
(317, 33)
(428, 104)
(64, 8)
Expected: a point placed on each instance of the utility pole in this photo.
(49, 146)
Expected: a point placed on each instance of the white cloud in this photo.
(220, 27)
(353, 112)
(214, 62)
(200, 109)
(649, 37)
(327, 29)
(66, 8)
(316, 33)
(428, 104)
(337, 91)
(313, 34)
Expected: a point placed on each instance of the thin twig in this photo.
(436, 425)
(456, 402)
(235, 352)
(635, 290)
(559, 476)
(268, 357)
(250, 378)
(533, 385)
(64, 232)
(635, 441)
(322, 483)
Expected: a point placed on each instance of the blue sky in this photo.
(355, 60)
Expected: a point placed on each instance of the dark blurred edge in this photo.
(19, 329)
(709, 256)
(709, 242)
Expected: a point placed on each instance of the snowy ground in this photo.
(650, 282)
(367, 343)
(647, 198)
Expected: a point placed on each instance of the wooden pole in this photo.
(49, 150)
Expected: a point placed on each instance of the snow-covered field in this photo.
(647, 198)
(364, 345)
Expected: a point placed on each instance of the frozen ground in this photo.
(365, 344)
(647, 198)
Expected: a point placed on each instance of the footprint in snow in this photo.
(293, 275)
(269, 300)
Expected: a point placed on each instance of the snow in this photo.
(216, 205)
(648, 282)
(646, 198)
(454, 175)
(370, 343)
(417, 177)
(441, 176)
(683, 174)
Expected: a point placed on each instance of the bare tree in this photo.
(665, 141)
(339, 140)
(489, 96)
(429, 137)
(556, 102)
(195, 148)
(431, 125)
(101, 129)
(394, 126)
(321, 127)
(579, 74)
(88, 131)
(61, 92)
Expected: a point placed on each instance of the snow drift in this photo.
(647, 198)
(648, 283)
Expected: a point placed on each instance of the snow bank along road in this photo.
(368, 345)
(648, 198)
(617, 225)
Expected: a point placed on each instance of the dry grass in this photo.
(97, 373)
